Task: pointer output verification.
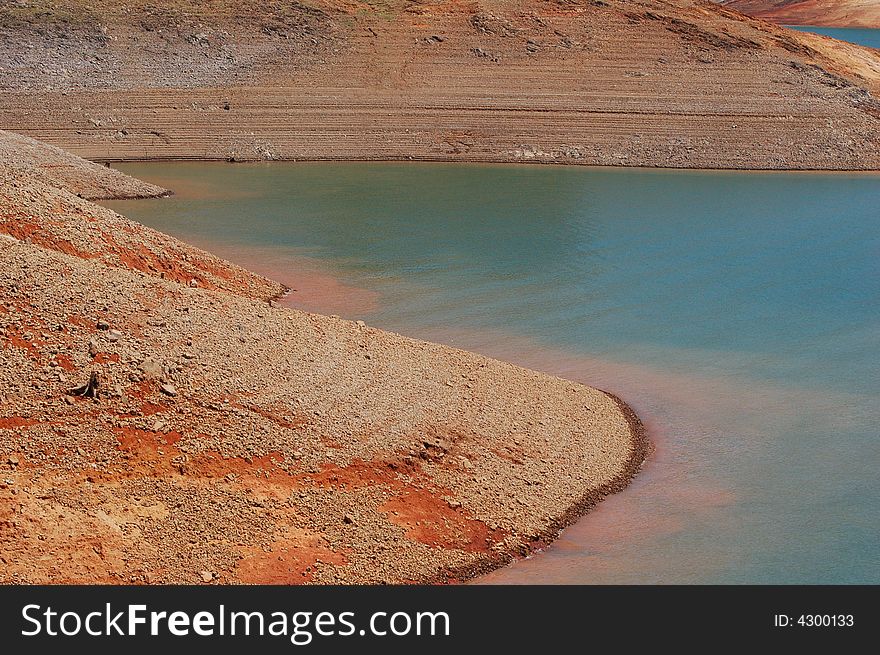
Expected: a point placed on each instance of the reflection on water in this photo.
(736, 313)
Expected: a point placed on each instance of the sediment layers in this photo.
(830, 13)
(232, 440)
(653, 83)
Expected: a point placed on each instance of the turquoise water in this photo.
(737, 313)
(860, 35)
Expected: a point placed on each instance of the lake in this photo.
(860, 35)
(737, 313)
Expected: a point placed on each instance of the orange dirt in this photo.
(431, 521)
(154, 454)
(11, 422)
(35, 231)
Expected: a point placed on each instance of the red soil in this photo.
(430, 520)
(29, 229)
(12, 422)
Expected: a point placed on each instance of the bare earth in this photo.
(830, 13)
(237, 441)
(681, 83)
(31, 161)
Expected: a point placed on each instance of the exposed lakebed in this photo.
(737, 313)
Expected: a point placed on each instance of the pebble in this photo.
(114, 335)
(103, 325)
(168, 389)
(93, 348)
(151, 368)
(206, 576)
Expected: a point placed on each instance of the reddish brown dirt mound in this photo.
(35, 212)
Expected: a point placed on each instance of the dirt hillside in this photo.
(830, 13)
(24, 158)
(682, 83)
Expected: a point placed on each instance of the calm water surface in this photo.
(860, 35)
(737, 313)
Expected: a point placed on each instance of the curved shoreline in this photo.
(367, 453)
(351, 440)
(642, 448)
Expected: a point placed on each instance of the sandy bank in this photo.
(236, 441)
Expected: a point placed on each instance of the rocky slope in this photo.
(155, 430)
(27, 159)
(830, 13)
(43, 192)
(683, 83)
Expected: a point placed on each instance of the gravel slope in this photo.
(24, 158)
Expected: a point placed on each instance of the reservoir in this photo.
(737, 313)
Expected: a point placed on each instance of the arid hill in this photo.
(830, 13)
(683, 83)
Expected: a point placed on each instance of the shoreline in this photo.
(429, 511)
(836, 26)
(649, 84)
(866, 172)
(238, 441)
(643, 447)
